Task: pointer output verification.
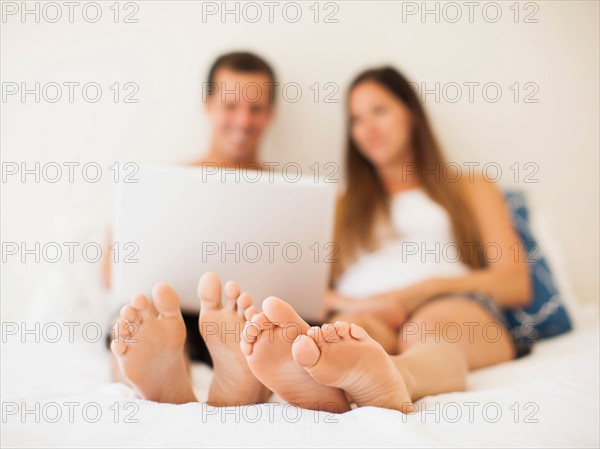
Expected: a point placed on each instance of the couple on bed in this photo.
(397, 329)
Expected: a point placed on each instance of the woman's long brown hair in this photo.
(365, 203)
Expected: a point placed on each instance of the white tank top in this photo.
(422, 247)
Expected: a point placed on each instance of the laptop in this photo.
(270, 233)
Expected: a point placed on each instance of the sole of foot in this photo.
(148, 343)
(343, 355)
(221, 326)
(267, 341)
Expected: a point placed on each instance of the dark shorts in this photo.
(195, 347)
(523, 345)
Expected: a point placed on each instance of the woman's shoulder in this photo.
(476, 183)
(481, 192)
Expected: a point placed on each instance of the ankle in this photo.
(182, 391)
(409, 378)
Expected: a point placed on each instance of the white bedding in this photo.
(557, 386)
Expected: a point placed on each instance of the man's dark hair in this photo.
(245, 62)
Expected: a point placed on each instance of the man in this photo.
(239, 101)
(239, 97)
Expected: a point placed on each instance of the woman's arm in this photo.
(506, 277)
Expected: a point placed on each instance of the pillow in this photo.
(546, 316)
(543, 226)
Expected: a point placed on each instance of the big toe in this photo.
(166, 300)
(282, 314)
(209, 291)
(305, 351)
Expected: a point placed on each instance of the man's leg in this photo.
(148, 343)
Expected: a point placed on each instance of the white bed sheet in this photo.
(557, 386)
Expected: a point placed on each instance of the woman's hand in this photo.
(394, 307)
(334, 302)
(386, 307)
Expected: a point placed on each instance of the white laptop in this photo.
(270, 234)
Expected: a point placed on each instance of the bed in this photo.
(548, 399)
(59, 394)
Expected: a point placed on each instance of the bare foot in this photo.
(343, 355)
(267, 343)
(149, 347)
(221, 327)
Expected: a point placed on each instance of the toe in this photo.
(128, 331)
(257, 324)
(246, 347)
(342, 328)
(358, 332)
(166, 301)
(330, 334)
(305, 351)
(141, 303)
(118, 347)
(209, 291)
(254, 328)
(131, 315)
(282, 314)
(243, 302)
(232, 292)
(121, 335)
(250, 333)
(250, 312)
(316, 334)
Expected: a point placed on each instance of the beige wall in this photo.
(168, 52)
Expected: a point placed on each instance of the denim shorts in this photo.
(523, 344)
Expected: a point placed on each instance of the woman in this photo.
(402, 197)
